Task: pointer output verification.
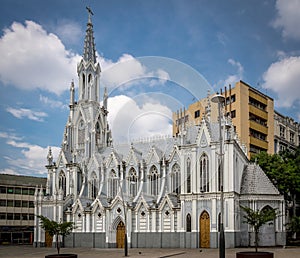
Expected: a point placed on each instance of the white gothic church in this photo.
(162, 192)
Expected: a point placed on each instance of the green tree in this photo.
(56, 229)
(294, 226)
(258, 218)
(284, 171)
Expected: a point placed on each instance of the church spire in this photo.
(89, 44)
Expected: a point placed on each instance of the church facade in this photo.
(161, 192)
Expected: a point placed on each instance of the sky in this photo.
(156, 57)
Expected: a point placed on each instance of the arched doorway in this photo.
(120, 235)
(266, 236)
(48, 239)
(204, 229)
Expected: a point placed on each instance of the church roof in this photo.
(255, 181)
(163, 146)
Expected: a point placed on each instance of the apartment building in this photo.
(251, 111)
(17, 208)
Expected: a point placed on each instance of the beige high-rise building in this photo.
(252, 114)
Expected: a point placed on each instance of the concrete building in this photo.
(286, 133)
(17, 208)
(162, 192)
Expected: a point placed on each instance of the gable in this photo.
(203, 138)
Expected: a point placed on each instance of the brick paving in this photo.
(28, 251)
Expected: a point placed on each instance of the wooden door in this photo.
(48, 239)
(204, 230)
(120, 235)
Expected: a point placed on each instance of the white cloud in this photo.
(52, 103)
(27, 113)
(283, 77)
(288, 18)
(9, 171)
(31, 58)
(11, 136)
(33, 157)
(127, 69)
(232, 78)
(142, 121)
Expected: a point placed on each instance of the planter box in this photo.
(254, 255)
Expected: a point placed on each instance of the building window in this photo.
(132, 181)
(154, 180)
(18, 190)
(3, 189)
(112, 184)
(81, 133)
(204, 174)
(292, 137)
(10, 190)
(230, 99)
(257, 104)
(188, 223)
(61, 182)
(93, 186)
(98, 134)
(18, 203)
(233, 114)
(282, 131)
(188, 175)
(197, 113)
(175, 179)
(257, 119)
(258, 135)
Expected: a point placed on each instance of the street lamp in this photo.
(125, 218)
(219, 99)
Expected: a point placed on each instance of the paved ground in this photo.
(28, 251)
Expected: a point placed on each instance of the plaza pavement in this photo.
(28, 251)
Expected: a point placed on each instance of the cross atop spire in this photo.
(90, 13)
(89, 45)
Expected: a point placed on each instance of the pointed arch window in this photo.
(81, 133)
(98, 134)
(83, 87)
(62, 182)
(175, 179)
(188, 175)
(188, 223)
(204, 173)
(112, 184)
(132, 182)
(90, 78)
(93, 186)
(154, 180)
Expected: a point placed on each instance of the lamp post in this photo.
(219, 99)
(125, 218)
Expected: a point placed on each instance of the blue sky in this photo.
(156, 57)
